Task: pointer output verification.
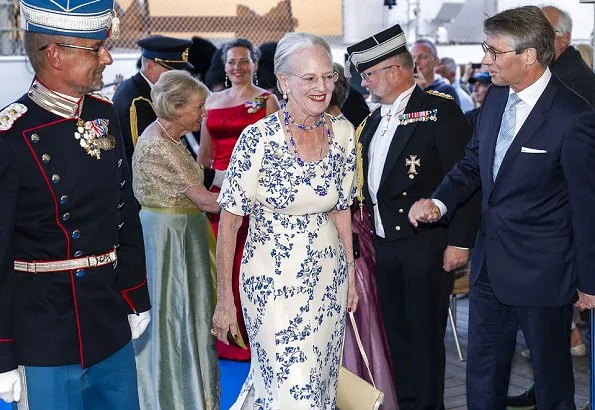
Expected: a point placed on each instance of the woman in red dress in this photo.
(228, 113)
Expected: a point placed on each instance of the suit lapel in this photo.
(402, 134)
(533, 122)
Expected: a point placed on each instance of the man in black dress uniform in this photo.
(407, 146)
(132, 99)
(73, 288)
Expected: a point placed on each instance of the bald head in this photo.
(562, 24)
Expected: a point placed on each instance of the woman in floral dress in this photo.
(228, 113)
(293, 174)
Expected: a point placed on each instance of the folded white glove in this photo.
(138, 323)
(10, 386)
(218, 178)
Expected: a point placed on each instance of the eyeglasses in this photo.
(368, 76)
(95, 50)
(495, 53)
(311, 79)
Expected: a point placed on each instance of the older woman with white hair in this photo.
(293, 173)
(177, 362)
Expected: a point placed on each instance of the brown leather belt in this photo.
(68, 264)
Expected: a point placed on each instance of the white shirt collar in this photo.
(392, 108)
(531, 94)
(146, 79)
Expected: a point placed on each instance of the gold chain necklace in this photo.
(178, 142)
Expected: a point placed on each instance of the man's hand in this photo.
(454, 258)
(138, 323)
(585, 301)
(425, 211)
(10, 386)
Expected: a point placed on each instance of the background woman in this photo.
(176, 358)
(228, 113)
(293, 173)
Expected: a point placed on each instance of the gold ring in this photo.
(213, 332)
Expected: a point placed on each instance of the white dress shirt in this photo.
(529, 97)
(379, 149)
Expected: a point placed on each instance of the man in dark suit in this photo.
(407, 146)
(132, 99)
(531, 154)
(568, 64)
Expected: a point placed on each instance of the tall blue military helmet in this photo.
(170, 52)
(93, 19)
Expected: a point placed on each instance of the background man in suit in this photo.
(426, 58)
(535, 244)
(408, 145)
(568, 64)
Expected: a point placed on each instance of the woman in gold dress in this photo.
(176, 358)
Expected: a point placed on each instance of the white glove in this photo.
(138, 323)
(10, 386)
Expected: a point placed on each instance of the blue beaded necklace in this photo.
(319, 189)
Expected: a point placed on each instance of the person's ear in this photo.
(530, 56)
(55, 56)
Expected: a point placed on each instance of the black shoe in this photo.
(524, 401)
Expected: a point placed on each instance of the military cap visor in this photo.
(91, 19)
(168, 51)
(377, 48)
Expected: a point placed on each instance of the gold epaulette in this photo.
(101, 97)
(439, 94)
(359, 164)
(134, 120)
(10, 114)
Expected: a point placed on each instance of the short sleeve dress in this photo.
(293, 280)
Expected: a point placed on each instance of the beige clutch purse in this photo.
(353, 392)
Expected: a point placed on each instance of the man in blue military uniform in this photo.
(73, 287)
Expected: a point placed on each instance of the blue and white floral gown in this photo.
(293, 280)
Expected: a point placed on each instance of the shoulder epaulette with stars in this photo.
(439, 94)
(100, 97)
(10, 114)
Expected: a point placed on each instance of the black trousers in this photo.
(414, 293)
(492, 341)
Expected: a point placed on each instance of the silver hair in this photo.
(173, 90)
(564, 21)
(292, 43)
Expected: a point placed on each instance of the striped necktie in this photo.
(506, 134)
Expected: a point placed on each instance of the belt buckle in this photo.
(92, 260)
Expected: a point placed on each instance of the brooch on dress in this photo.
(256, 103)
(420, 116)
(93, 137)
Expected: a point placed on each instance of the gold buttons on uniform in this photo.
(55, 178)
(397, 228)
(34, 138)
(404, 194)
(46, 158)
(401, 210)
(411, 176)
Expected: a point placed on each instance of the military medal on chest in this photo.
(412, 162)
(93, 136)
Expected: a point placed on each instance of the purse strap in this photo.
(361, 347)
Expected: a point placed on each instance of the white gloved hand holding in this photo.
(138, 323)
(10, 386)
